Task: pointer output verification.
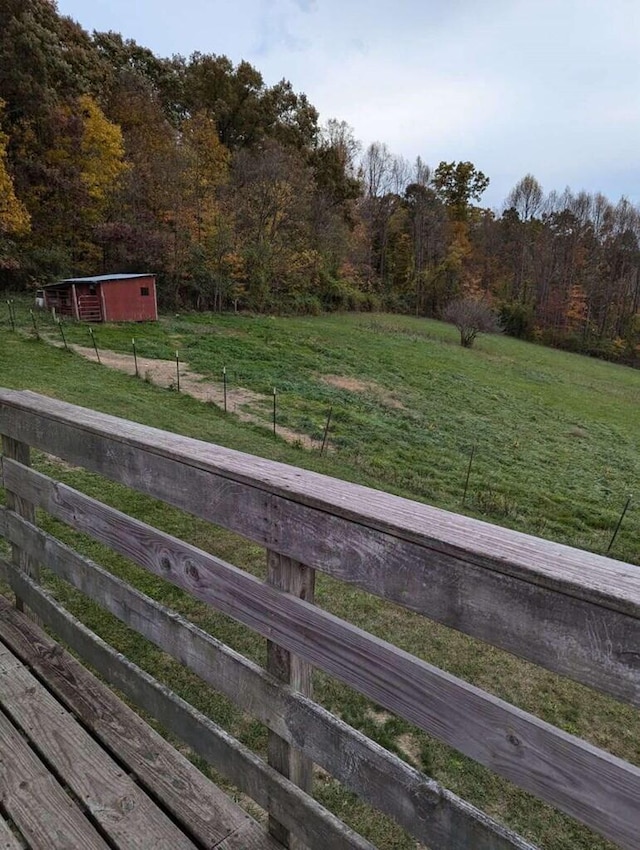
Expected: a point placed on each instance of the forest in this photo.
(235, 195)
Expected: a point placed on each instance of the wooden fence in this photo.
(571, 612)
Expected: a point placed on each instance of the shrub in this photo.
(472, 317)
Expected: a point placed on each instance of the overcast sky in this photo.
(550, 87)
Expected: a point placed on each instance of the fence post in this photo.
(299, 580)
(20, 452)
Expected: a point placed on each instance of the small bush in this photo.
(472, 317)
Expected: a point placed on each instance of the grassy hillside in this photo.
(556, 435)
(556, 441)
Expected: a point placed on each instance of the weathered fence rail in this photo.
(568, 611)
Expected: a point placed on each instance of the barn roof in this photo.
(101, 278)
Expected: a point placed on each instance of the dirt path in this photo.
(163, 373)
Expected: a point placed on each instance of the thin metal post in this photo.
(62, 334)
(466, 483)
(622, 515)
(178, 371)
(326, 430)
(135, 356)
(95, 345)
(224, 387)
(274, 411)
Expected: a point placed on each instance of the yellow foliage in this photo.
(206, 168)
(101, 151)
(208, 157)
(306, 263)
(237, 266)
(94, 154)
(14, 218)
(459, 248)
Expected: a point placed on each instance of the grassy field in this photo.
(556, 440)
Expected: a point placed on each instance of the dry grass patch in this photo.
(353, 385)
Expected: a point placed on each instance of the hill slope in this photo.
(556, 449)
(556, 437)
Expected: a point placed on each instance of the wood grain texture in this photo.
(201, 808)
(251, 837)
(509, 551)
(587, 783)
(572, 612)
(294, 578)
(125, 813)
(8, 839)
(430, 813)
(20, 452)
(45, 815)
(302, 815)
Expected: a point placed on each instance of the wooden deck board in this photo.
(125, 813)
(304, 816)
(34, 798)
(202, 809)
(36, 802)
(9, 841)
(376, 775)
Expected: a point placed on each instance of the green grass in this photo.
(556, 434)
(556, 438)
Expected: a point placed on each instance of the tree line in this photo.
(114, 159)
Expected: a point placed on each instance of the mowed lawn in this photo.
(556, 441)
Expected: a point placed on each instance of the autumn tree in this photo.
(376, 170)
(232, 94)
(46, 59)
(140, 232)
(333, 160)
(520, 222)
(202, 217)
(47, 66)
(80, 172)
(14, 218)
(335, 189)
(427, 221)
(100, 157)
(384, 178)
(270, 194)
(195, 168)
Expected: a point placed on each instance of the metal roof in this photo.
(101, 278)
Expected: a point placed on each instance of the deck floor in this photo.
(79, 770)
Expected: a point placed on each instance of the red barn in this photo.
(105, 298)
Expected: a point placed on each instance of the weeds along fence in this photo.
(568, 611)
